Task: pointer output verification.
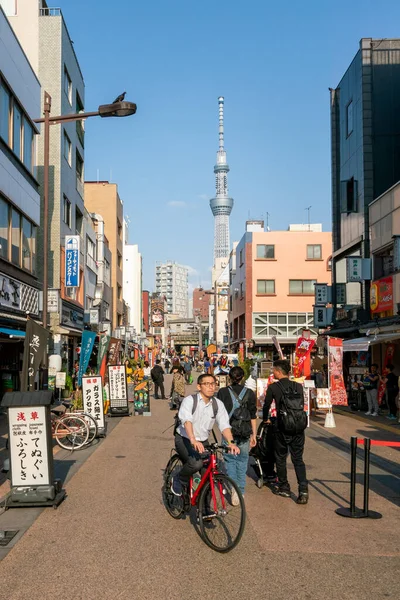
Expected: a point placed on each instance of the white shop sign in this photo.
(92, 392)
(117, 385)
(28, 446)
(61, 379)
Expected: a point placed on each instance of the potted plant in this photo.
(69, 386)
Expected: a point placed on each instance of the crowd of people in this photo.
(233, 409)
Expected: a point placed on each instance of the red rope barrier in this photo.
(380, 443)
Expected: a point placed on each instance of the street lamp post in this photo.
(117, 109)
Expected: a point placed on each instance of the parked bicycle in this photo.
(221, 520)
(70, 431)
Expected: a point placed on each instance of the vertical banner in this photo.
(35, 346)
(338, 394)
(114, 350)
(157, 312)
(88, 338)
(387, 361)
(92, 393)
(72, 260)
(104, 342)
(303, 350)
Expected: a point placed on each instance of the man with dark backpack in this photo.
(289, 432)
(240, 403)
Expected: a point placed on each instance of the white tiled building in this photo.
(172, 282)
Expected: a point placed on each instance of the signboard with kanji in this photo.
(322, 294)
(92, 392)
(118, 388)
(72, 260)
(28, 446)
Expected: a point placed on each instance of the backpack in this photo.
(292, 418)
(195, 401)
(240, 417)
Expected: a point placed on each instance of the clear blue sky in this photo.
(273, 62)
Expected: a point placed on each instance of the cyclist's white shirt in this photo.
(202, 419)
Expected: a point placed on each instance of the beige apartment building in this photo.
(102, 197)
(272, 277)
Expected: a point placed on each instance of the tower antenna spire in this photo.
(221, 206)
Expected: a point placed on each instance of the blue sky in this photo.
(273, 63)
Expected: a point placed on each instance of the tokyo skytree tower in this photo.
(221, 205)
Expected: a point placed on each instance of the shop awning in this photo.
(15, 333)
(362, 344)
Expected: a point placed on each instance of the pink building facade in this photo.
(272, 277)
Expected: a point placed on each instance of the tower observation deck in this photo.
(221, 206)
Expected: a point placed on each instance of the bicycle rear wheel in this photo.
(71, 433)
(173, 504)
(221, 520)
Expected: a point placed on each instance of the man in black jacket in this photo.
(286, 443)
(157, 375)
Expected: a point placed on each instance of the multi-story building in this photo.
(365, 128)
(44, 37)
(102, 197)
(19, 202)
(132, 285)
(201, 302)
(172, 282)
(102, 300)
(146, 310)
(272, 277)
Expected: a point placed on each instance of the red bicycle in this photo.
(219, 503)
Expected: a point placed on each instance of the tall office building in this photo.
(132, 282)
(44, 37)
(221, 206)
(365, 151)
(172, 282)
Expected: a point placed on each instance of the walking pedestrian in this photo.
(392, 388)
(370, 383)
(290, 425)
(146, 370)
(207, 365)
(167, 365)
(241, 406)
(177, 393)
(157, 375)
(187, 367)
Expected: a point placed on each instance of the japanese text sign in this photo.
(92, 392)
(28, 446)
(322, 294)
(382, 295)
(88, 338)
(72, 261)
(34, 348)
(117, 386)
(354, 268)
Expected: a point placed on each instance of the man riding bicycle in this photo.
(197, 415)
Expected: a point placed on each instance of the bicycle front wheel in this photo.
(173, 504)
(93, 428)
(222, 514)
(71, 432)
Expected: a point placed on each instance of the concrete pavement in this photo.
(112, 537)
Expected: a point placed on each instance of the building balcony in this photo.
(50, 12)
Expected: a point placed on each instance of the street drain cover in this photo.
(7, 536)
(120, 456)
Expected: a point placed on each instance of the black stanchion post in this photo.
(371, 514)
(353, 446)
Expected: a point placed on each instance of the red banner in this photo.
(388, 360)
(336, 381)
(303, 349)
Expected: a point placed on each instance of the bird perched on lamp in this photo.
(120, 98)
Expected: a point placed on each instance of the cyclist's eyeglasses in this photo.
(209, 384)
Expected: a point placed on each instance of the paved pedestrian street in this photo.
(113, 538)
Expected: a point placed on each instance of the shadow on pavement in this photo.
(62, 468)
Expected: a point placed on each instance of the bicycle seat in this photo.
(58, 410)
